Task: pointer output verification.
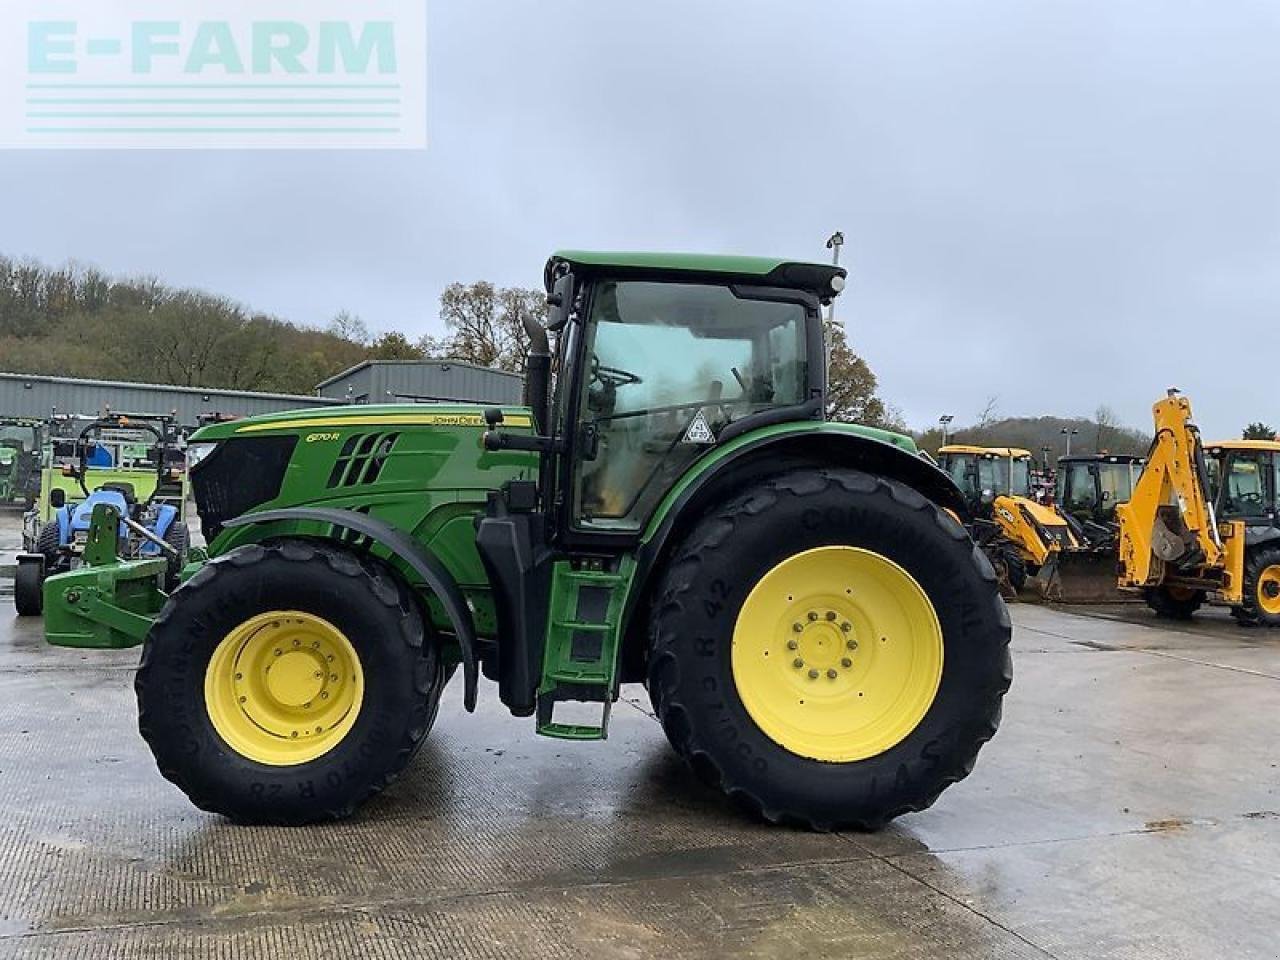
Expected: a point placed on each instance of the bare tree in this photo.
(989, 413)
(348, 326)
(1106, 420)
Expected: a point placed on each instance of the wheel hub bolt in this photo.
(846, 626)
(792, 645)
(831, 674)
(812, 616)
(797, 627)
(813, 674)
(846, 663)
(797, 663)
(851, 644)
(831, 615)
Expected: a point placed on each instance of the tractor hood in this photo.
(398, 455)
(363, 415)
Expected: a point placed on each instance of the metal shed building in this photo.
(31, 395)
(410, 381)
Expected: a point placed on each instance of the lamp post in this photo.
(945, 421)
(1069, 433)
(1044, 456)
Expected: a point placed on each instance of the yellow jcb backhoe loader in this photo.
(1020, 536)
(1202, 528)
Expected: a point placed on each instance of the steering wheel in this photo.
(613, 377)
(1249, 500)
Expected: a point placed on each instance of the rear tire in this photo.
(1174, 603)
(28, 590)
(48, 540)
(696, 626)
(1261, 603)
(394, 683)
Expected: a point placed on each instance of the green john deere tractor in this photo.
(819, 636)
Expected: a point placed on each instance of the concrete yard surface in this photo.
(1128, 808)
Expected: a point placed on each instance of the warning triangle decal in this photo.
(699, 431)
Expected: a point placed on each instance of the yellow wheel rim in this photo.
(1269, 589)
(837, 654)
(284, 687)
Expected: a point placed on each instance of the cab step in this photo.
(580, 661)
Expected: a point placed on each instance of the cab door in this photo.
(1248, 487)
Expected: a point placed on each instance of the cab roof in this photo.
(1102, 458)
(819, 279)
(1272, 445)
(985, 451)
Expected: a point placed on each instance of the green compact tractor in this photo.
(819, 636)
(21, 441)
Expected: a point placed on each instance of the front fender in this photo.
(424, 563)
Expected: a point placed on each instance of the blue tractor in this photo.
(135, 464)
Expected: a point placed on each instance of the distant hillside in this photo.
(1034, 433)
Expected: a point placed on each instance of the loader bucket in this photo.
(1080, 576)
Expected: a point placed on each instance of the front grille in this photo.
(238, 476)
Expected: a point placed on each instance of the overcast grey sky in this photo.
(1059, 203)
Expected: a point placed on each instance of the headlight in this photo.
(197, 452)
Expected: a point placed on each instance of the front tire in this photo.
(1261, 600)
(28, 590)
(288, 683)
(898, 629)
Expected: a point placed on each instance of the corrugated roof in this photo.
(350, 371)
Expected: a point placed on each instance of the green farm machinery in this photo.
(819, 636)
(21, 442)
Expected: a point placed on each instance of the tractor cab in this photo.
(985, 473)
(1088, 487)
(1243, 480)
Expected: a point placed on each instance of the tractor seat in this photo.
(124, 489)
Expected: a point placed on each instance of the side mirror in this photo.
(57, 498)
(1106, 495)
(988, 497)
(560, 303)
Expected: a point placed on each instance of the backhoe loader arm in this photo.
(1170, 517)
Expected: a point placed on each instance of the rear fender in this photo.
(751, 457)
(409, 552)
